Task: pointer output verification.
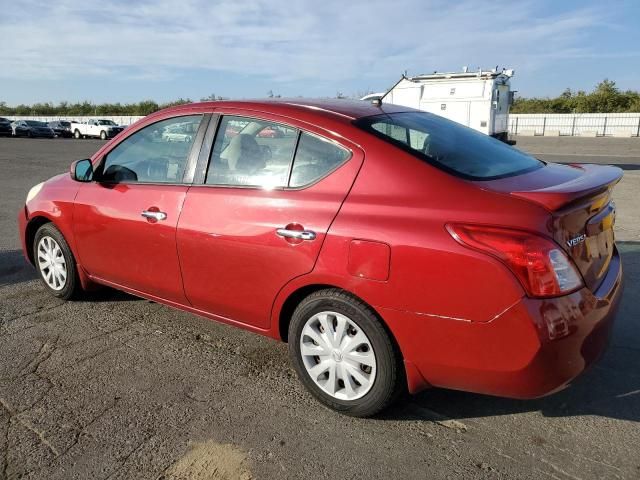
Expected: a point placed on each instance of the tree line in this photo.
(87, 108)
(605, 98)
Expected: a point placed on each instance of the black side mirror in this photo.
(82, 170)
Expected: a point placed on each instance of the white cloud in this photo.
(283, 40)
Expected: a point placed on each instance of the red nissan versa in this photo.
(390, 247)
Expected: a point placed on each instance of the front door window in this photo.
(157, 153)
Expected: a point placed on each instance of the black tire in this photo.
(71, 286)
(77, 135)
(103, 135)
(389, 381)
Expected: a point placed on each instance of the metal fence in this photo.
(585, 124)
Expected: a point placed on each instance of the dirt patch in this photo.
(210, 461)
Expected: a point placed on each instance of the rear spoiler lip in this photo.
(596, 179)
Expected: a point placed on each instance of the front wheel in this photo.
(55, 262)
(103, 135)
(344, 355)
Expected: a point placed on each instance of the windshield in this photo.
(106, 122)
(449, 145)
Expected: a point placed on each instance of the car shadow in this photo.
(107, 294)
(14, 268)
(611, 388)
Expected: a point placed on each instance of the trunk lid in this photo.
(582, 211)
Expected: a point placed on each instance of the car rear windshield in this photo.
(450, 146)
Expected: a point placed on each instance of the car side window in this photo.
(157, 153)
(251, 152)
(315, 158)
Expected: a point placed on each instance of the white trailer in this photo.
(479, 100)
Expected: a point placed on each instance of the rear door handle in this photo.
(154, 215)
(298, 234)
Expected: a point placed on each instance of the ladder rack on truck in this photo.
(479, 100)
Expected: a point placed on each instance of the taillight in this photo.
(544, 270)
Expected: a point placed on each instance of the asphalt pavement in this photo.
(116, 387)
(622, 152)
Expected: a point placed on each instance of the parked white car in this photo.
(179, 132)
(96, 128)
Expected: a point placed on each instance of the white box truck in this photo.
(479, 100)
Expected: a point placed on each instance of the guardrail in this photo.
(582, 124)
(119, 119)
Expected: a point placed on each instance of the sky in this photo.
(127, 51)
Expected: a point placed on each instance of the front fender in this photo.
(54, 203)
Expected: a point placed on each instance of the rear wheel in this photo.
(343, 354)
(55, 262)
(77, 135)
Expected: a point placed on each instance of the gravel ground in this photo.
(118, 387)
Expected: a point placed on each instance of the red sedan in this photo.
(392, 249)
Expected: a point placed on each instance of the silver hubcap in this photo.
(338, 356)
(53, 267)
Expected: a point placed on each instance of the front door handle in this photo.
(151, 215)
(297, 234)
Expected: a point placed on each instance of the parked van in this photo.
(479, 100)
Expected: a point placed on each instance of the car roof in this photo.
(339, 108)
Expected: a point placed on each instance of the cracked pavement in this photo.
(116, 387)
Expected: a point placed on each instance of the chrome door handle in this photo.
(154, 215)
(299, 234)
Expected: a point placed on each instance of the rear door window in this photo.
(315, 158)
(251, 152)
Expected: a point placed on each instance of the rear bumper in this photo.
(534, 348)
